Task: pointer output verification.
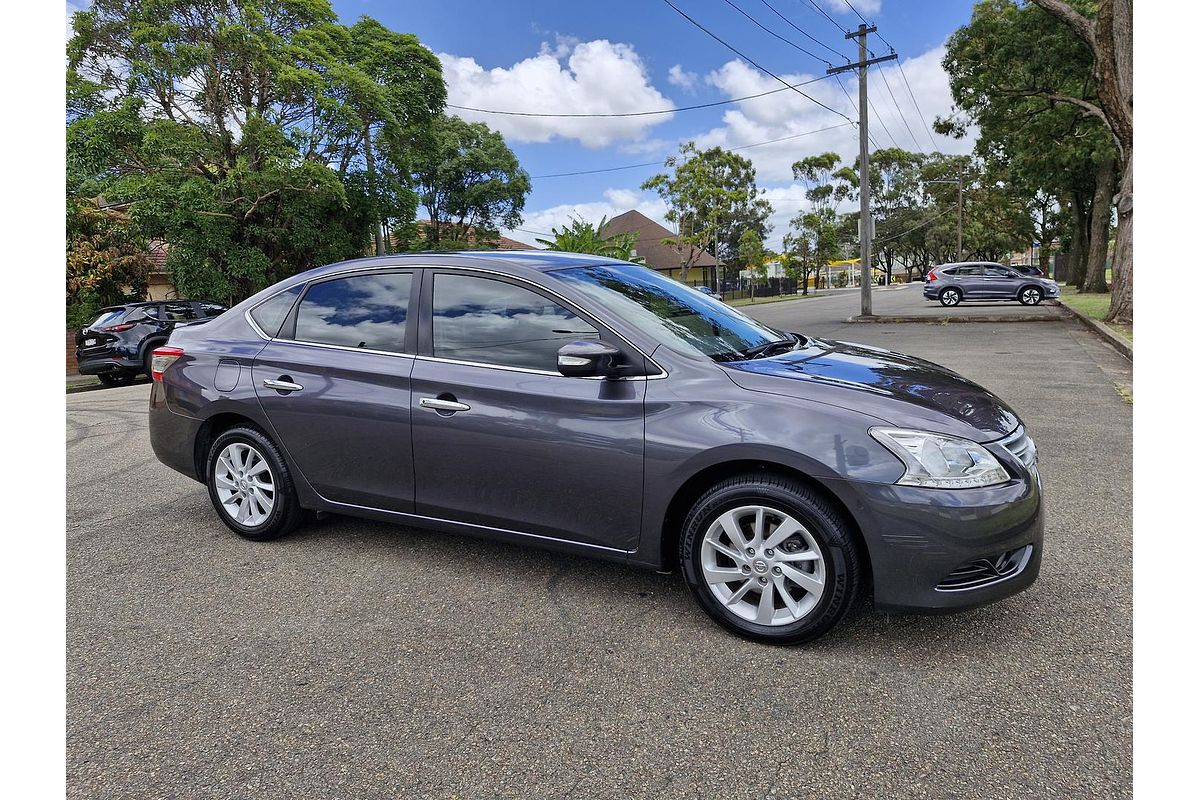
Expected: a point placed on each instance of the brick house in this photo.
(663, 257)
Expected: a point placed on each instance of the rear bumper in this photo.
(172, 435)
(104, 365)
(917, 537)
(930, 291)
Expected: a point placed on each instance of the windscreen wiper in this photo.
(779, 345)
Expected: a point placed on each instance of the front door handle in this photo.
(282, 385)
(437, 404)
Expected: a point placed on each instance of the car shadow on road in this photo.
(575, 587)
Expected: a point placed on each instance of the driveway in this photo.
(358, 659)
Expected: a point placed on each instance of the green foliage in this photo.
(248, 134)
(583, 237)
(469, 182)
(750, 251)
(710, 194)
(107, 262)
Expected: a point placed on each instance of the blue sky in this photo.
(633, 55)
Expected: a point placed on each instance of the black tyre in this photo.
(250, 485)
(950, 297)
(1030, 296)
(111, 379)
(148, 361)
(793, 574)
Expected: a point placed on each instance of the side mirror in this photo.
(587, 359)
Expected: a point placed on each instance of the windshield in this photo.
(676, 315)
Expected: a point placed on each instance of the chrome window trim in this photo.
(347, 348)
(662, 372)
(530, 371)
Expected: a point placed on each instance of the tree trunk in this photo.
(1077, 255)
(380, 243)
(1101, 225)
(1121, 305)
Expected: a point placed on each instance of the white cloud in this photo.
(787, 114)
(570, 77)
(677, 76)
(864, 6)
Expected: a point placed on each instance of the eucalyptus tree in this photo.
(1048, 85)
(708, 194)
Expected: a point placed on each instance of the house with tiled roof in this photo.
(658, 255)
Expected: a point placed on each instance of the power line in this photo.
(636, 113)
(752, 61)
(929, 221)
(903, 118)
(854, 106)
(802, 31)
(832, 21)
(860, 16)
(658, 163)
(879, 119)
(920, 113)
(809, 53)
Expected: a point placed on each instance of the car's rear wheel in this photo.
(250, 486)
(950, 297)
(770, 559)
(148, 361)
(1030, 296)
(111, 379)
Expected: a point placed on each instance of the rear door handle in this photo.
(438, 404)
(282, 385)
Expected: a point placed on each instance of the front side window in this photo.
(361, 311)
(491, 322)
(999, 272)
(671, 313)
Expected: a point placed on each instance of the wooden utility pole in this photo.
(864, 153)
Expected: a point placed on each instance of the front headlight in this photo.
(937, 461)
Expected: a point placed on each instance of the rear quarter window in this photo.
(270, 313)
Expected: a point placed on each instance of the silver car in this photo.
(951, 284)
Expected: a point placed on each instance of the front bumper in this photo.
(923, 541)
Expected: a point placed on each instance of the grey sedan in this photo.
(598, 407)
(951, 284)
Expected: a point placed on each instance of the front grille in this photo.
(1022, 447)
(982, 572)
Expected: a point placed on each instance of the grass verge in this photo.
(1094, 306)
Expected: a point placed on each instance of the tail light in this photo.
(932, 276)
(124, 326)
(161, 358)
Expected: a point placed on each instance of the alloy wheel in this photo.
(763, 565)
(1030, 297)
(244, 483)
(950, 297)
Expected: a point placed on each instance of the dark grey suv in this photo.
(600, 408)
(953, 283)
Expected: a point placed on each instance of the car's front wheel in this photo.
(950, 297)
(250, 486)
(770, 559)
(1030, 296)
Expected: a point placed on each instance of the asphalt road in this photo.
(357, 659)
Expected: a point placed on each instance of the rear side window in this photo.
(179, 312)
(361, 311)
(270, 313)
(961, 271)
(486, 321)
(107, 316)
(212, 309)
(951, 271)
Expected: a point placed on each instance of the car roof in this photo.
(970, 264)
(540, 260)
